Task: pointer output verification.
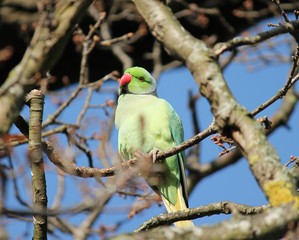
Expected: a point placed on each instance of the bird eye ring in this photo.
(141, 79)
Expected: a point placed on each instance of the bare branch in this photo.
(39, 188)
(53, 117)
(255, 227)
(199, 212)
(292, 79)
(230, 117)
(40, 56)
(283, 13)
(243, 41)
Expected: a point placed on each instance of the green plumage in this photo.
(145, 122)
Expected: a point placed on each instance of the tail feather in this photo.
(179, 206)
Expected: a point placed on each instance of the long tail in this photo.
(180, 205)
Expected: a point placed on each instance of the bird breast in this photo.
(143, 124)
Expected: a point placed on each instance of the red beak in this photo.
(125, 79)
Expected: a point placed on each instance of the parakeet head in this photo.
(137, 80)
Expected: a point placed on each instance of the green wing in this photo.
(175, 164)
(177, 132)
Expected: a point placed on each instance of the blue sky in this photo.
(235, 183)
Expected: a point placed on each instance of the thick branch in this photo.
(231, 118)
(39, 187)
(199, 212)
(256, 227)
(45, 48)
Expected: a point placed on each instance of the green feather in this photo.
(145, 122)
(142, 82)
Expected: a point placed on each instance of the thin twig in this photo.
(15, 184)
(192, 107)
(283, 13)
(294, 69)
(52, 118)
(60, 191)
(242, 41)
(81, 146)
(280, 93)
(112, 41)
(85, 107)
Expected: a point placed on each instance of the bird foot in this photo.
(144, 160)
(148, 166)
(153, 153)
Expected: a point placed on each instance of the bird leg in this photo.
(144, 163)
(153, 153)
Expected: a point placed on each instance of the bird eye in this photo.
(141, 79)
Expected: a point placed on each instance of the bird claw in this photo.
(148, 167)
(153, 153)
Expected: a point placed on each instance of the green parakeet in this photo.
(146, 122)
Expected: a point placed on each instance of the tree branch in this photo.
(45, 48)
(255, 227)
(243, 41)
(87, 172)
(280, 118)
(39, 188)
(231, 119)
(199, 212)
